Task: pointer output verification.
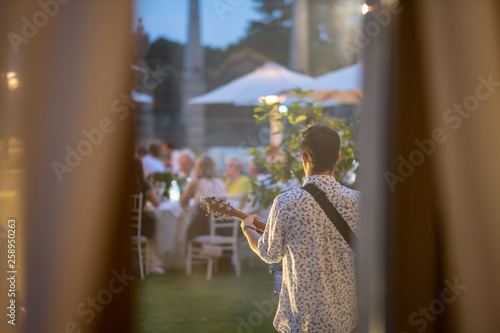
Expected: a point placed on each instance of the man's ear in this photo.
(304, 159)
(338, 159)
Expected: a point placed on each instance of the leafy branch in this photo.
(286, 164)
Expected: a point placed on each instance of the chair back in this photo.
(136, 212)
(227, 243)
(218, 224)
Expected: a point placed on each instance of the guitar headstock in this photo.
(219, 208)
(216, 207)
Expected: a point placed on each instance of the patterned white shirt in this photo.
(319, 288)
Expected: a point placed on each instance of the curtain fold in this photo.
(462, 70)
(73, 60)
(437, 253)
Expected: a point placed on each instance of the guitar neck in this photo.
(260, 225)
(218, 208)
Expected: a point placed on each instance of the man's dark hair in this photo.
(321, 146)
(142, 150)
(170, 145)
(154, 150)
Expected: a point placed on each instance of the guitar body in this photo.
(219, 208)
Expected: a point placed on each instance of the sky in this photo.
(223, 22)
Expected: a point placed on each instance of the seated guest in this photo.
(150, 162)
(258, 172)
(148, 225)
(237, 185)
(171, 154)
(154, 153)
(274, 154)
(141, 151)
(140, 185)
(186, 163)
(206, 184)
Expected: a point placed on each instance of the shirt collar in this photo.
(315, 179)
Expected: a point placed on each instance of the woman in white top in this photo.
(206, 184)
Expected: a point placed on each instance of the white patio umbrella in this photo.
(140, 97)
(343, 85)
(268, 79)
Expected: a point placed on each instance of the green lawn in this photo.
(175, 302)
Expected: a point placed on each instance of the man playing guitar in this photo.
(319, 288)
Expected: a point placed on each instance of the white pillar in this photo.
(299, 38)
(193, 82)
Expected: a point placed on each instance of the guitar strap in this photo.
(330, 211)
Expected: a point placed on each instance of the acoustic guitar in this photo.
(219, 208)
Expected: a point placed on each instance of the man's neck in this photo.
(325, 173)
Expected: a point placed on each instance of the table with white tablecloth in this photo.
(168, 246)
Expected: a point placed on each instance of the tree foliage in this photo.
(270, 34)
(287, 164)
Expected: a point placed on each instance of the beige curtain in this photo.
(438, 253)
(72, 59)
(461, 55)
(429, 257)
